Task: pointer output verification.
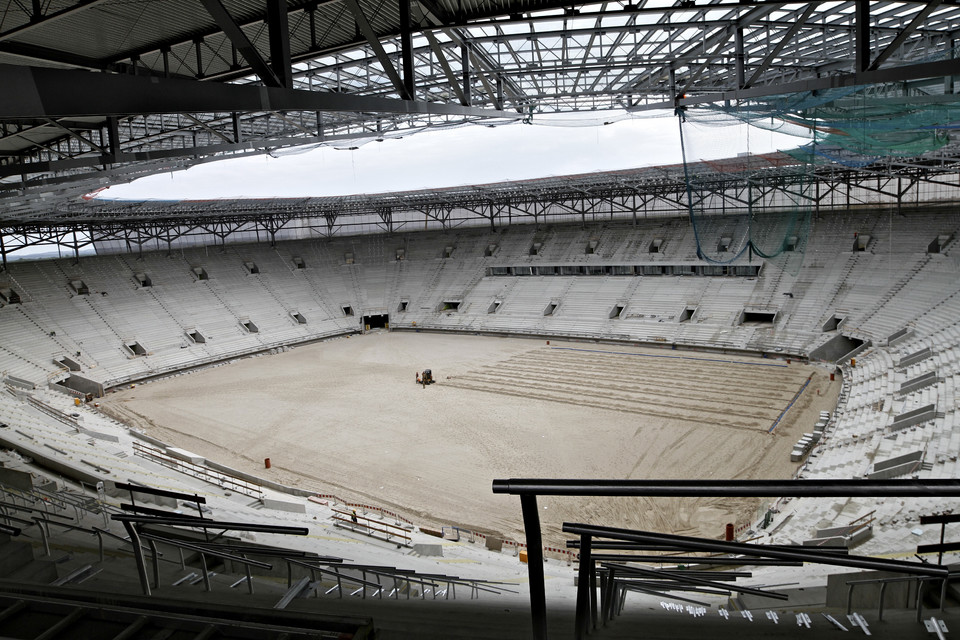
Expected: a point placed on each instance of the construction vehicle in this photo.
(427, 377)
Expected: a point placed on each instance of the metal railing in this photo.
(218, 478)
(529, 489)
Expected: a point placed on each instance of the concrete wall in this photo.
(84, 385)
(837, 349)
(915, 357)
(16, 479)
(893, 472)
(19, 382)
(915, 384)
(910, 418)
(913, 456)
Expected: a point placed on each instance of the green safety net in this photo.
(852, 127)
(732, 211)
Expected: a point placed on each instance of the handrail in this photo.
(883, 582)
(204, 550)
(339, 576)
(730, 488)
(529, 488)
(199, 523)
(76, 527)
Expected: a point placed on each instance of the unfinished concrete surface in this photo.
(347, 417)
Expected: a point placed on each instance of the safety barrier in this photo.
(372, 527)
(455, 534)
(365, 507)
(198, 471)
(565, 554)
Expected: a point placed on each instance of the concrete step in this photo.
(14, 554)
(35, 572)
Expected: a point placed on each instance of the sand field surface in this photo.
(346, 417)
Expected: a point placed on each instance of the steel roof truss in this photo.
(37, 21)
(901, 37)
(445, 66)
(374, 42)
(768, 60)
(242, 43)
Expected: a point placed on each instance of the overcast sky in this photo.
(466, 155)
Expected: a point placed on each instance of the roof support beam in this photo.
(240, 40)
(203, 125)
(367, 31)
(75, 135)
(772, 55)
(279, 30)
(44, 54)
(113, 141)
(739, 58)
(717, 41)
(406, 47)
(495, 93)
(861, 40)
(432, 15)
(45, 21)
(445, 66)
(465, 66)
(56, 93)
(905, 33)
(936, 69)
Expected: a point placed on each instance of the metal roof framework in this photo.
(102, 91)
(768, 183)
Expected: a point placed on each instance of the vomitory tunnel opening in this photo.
(379, 321)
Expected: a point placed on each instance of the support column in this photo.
(197, 44)
(113, 140)
(948, 80)
(406, 48)
(465, 63)
(235, 117)
(584, 583)
(138, 556)
(862, 35)
(739, 59)
(538, 597)
(279, 41)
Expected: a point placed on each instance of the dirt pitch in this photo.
(347, 417)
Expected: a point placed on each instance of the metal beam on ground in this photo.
(693, 560)
(684, 578)
(761, 551)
